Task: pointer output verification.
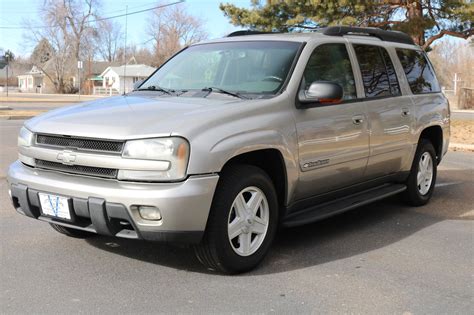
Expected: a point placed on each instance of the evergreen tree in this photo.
(425, 20)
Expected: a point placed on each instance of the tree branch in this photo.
(430, 40)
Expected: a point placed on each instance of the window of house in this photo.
(330, 62)
(420, 74)
(378, 74)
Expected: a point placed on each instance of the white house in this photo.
(32, 81)
(122, 78)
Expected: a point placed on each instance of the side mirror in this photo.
(137, 84)
(321, 93)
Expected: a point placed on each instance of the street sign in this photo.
(79, 64)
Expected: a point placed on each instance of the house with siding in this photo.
(121, 79)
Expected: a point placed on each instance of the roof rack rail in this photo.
(248, 32)
(389, 36)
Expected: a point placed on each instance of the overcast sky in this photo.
(14, 12)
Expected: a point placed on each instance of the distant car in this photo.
(233, 137)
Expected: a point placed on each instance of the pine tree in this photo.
(425, 20)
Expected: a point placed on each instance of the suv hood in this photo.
(127, 117)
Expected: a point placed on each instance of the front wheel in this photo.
(242, 222)
(422, 178)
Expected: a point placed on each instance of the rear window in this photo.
(378, 75)
(420, 74)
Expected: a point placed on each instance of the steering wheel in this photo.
(272, 78)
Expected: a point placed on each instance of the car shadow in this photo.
(353, 233)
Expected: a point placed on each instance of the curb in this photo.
(461, 147)
(15, 117)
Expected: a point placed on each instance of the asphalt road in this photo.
(382, 258)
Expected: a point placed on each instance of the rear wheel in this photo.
(242, 222)
(422, 178)
(71, 232)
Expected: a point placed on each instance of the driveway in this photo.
(382, 258)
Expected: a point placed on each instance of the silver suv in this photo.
(232, 138)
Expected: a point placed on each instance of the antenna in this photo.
(125, 50)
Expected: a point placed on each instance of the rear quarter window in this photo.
(378, 75)
(418, 70)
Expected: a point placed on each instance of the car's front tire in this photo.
(242, 222)
(422, 179)
(71, 232)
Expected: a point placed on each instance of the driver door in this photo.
(333, 140)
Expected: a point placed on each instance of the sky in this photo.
(15, 12)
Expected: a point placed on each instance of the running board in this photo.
(328, 209)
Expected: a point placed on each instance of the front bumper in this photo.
(105, 206)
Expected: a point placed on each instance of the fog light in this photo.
(149, 213)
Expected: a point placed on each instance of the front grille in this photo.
(78, 169)
(80, 143)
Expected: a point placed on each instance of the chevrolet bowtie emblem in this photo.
(66, 157)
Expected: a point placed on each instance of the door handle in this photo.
(357, 119)
(405, 112)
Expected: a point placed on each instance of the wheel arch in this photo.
(271, 161)
(434, 134)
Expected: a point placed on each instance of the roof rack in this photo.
(389, 36)
(248, 32)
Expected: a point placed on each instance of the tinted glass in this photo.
(375, 76)
(418, 70)
(392, 75)
(330, 62)
(246, 67)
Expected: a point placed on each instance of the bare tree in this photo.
(66, 26)
(448, 58)
(107, 39)
(173, 28)
(60, 51)
(77, 14)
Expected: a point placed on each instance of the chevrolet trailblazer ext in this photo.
(233, 137)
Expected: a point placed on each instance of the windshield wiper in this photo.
(222, 91)
(156, 88)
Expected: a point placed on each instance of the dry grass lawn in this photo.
(462, 131)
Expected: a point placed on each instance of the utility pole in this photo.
(456, 80)
(6, 68)
(125, 50)
(79, 67)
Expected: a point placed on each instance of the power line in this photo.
(99, 19)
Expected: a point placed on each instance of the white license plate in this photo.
(55, 206)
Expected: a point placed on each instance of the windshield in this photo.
(250, 68)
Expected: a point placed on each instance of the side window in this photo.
(392, 75)
(420, 74)
(330, 62)
(378, 75)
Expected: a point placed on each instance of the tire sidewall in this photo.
(222, 206)
(418, 198)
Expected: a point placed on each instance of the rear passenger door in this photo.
(390, 113)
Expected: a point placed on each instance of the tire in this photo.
(71, 232)
(250, 240)
(420, 190)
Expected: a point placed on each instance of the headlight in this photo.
(173, 150)
(25, 138)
